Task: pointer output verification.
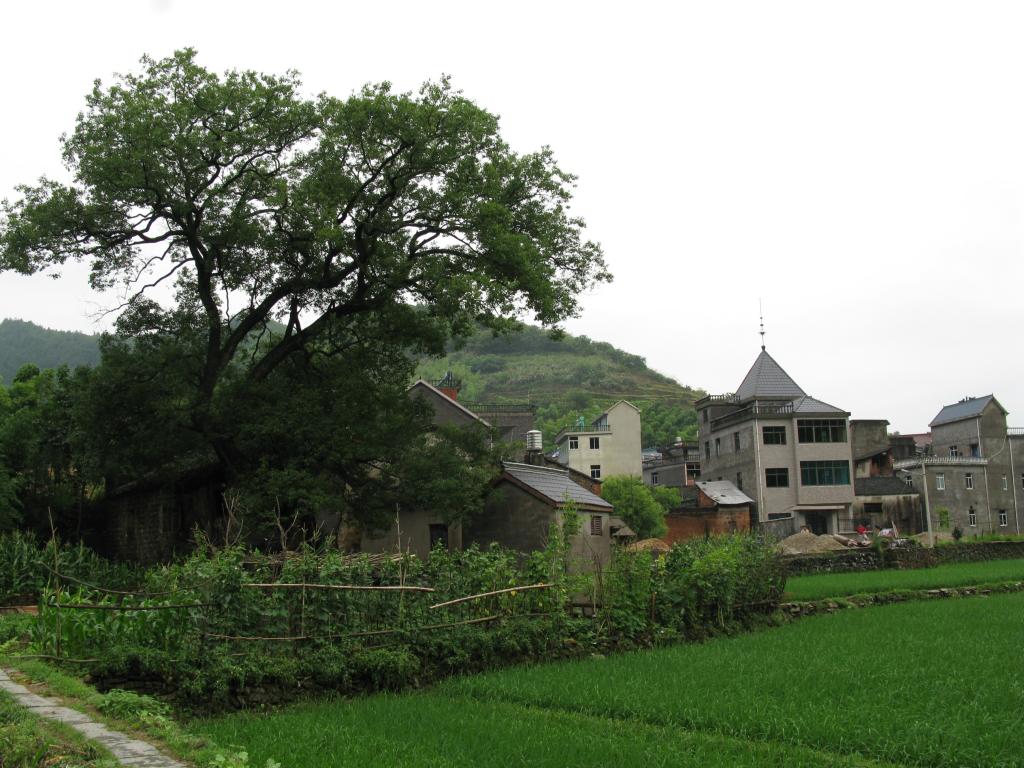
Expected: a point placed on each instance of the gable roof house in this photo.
(524, 503)
(974, 477)
(525, 500)
(788, 450)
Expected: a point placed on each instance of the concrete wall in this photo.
(748, 465)
(906, 511)
(619, 451)
(518, 520)
(412, 534)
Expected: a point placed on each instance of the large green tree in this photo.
(636, 504)
(294, 230)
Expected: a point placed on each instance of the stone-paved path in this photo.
(127, 750)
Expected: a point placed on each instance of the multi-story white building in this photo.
(609, 446)
(779, 445)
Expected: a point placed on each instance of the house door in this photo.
(817, 522)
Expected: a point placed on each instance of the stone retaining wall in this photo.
(912, 557)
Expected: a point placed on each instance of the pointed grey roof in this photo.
(808, 404)
(767, 380)
(968, 408)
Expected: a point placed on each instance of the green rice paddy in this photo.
(820, 586)
(924, 684)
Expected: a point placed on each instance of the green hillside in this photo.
(22, 342)
(567, 378)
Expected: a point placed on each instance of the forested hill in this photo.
(567, 378)
(23, 342)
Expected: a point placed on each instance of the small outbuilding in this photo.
(719, 507)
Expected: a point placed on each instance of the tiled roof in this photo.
(554, 485)
(723, 492)
(767, 380)
(881, 486)
(967, 408)
(808, 404)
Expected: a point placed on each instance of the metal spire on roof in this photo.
(760, 309)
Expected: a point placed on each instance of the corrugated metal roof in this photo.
(554, 484)
(766, 379)
(723, 492)
(967, 408)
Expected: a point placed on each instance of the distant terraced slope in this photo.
(567, 378)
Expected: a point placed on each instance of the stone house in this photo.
(880, 498)
(526, 500)
(608, 446)
(788, 451)
(974, 476)
(718, 507)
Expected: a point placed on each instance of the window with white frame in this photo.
(972, 517)
(595, 471)
(969, 481)
(1002, 518)
(1006, 483)
(574, 443)
(940, 481)
(595, 443)
(954, 451)
(654, 478)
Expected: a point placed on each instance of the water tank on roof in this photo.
(533, 440)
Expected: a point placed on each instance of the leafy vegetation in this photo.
(209, 630)
(27, 741)
(778, 697)
(641, 506)
(566, 377)
(823, 585)
(25, 563)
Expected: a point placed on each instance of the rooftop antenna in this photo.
(760, 309)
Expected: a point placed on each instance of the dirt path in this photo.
(127, 750)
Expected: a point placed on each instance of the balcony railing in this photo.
(501, 407)
(728, 397)
(575, 430)
(757, 411)
(1015, 431)
(970, 461)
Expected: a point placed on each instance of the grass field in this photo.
(930, 683)
(823, 585)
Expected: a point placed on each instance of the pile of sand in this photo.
(657, 546)
(806, 543)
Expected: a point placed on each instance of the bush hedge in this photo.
(207, 630)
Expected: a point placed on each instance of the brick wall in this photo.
(692, 524)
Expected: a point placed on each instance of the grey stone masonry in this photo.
(127, 750)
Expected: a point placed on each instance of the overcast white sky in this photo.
(858, 166)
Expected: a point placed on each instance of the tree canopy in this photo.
(637, 504)
(311, 242)
(263, 204)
